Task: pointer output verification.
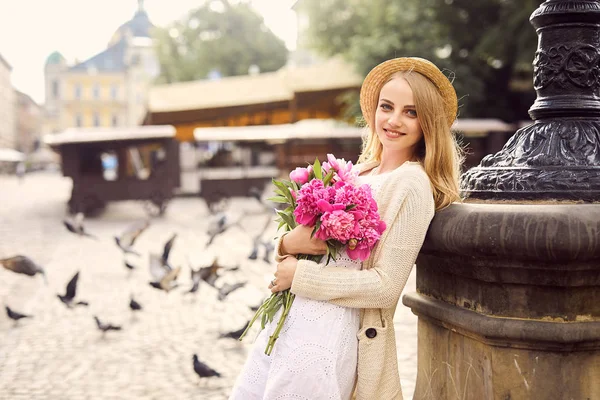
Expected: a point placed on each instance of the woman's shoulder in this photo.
(412, 169)
(412, 177)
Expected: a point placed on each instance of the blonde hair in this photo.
(439, 152)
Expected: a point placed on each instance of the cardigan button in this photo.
(371, 333)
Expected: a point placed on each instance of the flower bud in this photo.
(300, 175)
(352, 244)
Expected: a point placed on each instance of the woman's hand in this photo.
(298, 241)
(284, 275)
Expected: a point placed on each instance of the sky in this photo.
(32, 29)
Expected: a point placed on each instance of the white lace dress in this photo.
(314, 357)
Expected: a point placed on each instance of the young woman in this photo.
(338, 339)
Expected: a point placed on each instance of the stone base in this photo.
(454, 366)
(508, 300)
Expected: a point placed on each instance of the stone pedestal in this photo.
(508, 300)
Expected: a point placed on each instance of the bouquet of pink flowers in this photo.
(342, 213)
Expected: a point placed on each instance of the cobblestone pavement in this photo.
(59, 353)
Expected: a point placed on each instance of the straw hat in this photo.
(369, 92)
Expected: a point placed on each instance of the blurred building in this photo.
(7, 104)
(107, 90)
(290, 94)
(28, 123)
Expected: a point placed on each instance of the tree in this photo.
(487, 44)
(217, 38)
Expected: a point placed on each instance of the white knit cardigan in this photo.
(406, 204)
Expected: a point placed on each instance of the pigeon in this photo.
(221, 226)
(254, 254)
(258, 241)
(105, 327)
(235, 334)
(269, 247)
(128, 238)
(23, 265)
(227, 289)
(167, 281)
(129, 266)
(196, 278)
(203, 370)
(159, 265)
(15, 316)
(75, 225)
(210, 274)
(69, 297)
(134, 305)
(255, 193)
(157, 268)
(167, 249)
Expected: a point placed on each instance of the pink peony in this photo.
(300, 175)
(360, 252)
(338, 225)
(344, 170)
(307, 211)
(347, 214)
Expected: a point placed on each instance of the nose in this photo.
(394, 120)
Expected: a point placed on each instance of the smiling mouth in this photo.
(392, 133)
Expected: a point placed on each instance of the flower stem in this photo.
(258, 313)
(287, 305)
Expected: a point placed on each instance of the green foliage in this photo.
(487, 44)
(217, 36)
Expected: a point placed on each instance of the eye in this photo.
(385, 107)
(412, 113)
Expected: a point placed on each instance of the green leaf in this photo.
(317, 169)
(287, 218)
(278, 199)
(350, 207)
(316, 228)
(288, 184)
(284, 191)
(280, 192)
(328, 177)
(281, 224)
(289, 210)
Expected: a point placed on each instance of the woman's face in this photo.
(396, 120)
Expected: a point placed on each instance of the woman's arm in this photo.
(298, 241)
(380, 286)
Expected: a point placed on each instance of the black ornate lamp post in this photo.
(508, 283)
(558, 156)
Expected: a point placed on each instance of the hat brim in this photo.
(369, 92)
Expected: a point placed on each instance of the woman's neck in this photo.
(391, 163)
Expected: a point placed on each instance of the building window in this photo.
(77, 91)
(55, 89)
(96, 92)
(114, 91)
(115, 120)
(78, 120)
(110, 165)
(96, 119)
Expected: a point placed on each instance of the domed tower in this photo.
(138, 26)
(140, 60)
(54, 68)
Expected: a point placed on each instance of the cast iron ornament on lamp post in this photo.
(557, 157)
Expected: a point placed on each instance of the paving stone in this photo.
(59, 353)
